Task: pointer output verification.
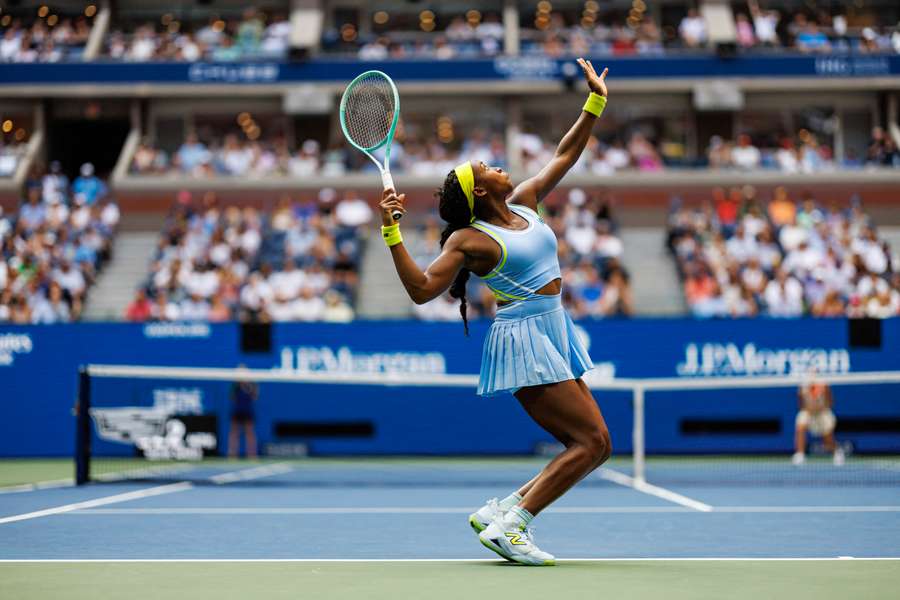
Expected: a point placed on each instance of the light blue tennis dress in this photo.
(532, 340)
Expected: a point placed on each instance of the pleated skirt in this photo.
(531, 342)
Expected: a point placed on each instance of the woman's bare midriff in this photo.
(551, 289)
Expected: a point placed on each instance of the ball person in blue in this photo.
(494, 231)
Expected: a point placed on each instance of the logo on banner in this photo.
(12, 344)
(177, 330)
(168, 430)
(230, 73)
(714, 359)
(844, 66)
(308, 359)
(526, 67)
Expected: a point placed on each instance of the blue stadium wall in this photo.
(38, 383)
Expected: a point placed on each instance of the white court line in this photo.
(441, 560)
(398, 510)
(652, 490)
(136, 495)
(38, 485)
(251, 473)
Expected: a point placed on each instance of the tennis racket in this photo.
(370, 108)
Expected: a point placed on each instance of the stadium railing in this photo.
(693, 178)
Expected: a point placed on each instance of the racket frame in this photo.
(385, 169)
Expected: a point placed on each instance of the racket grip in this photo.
(388, 183)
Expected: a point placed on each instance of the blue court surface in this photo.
(398, 510)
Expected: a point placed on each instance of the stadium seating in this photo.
(219, 263)
(741, 257)
(53, 246)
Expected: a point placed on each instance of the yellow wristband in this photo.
(391, 234)
(595, 104)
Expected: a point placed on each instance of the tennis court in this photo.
(396, 528)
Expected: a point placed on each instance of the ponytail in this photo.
(454, 209)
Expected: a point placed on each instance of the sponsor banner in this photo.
(12, 344)
(39, 379)
(500, 68)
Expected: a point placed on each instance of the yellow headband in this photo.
(466, 177)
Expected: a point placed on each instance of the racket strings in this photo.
(369, 111)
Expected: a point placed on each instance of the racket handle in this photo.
(388, 182)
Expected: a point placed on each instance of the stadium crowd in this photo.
(10, 154)
(236, 155)
(217, 263)
(595, 282)
(52, 39)
(52, 248)
(741, 257)
(588, 31)
(255, 36)
(802, 153)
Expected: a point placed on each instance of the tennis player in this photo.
(494, 231)
(815, 417)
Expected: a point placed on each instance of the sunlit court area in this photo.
(345, 299)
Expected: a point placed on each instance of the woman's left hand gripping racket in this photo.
(370, 108)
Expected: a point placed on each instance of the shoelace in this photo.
(494, 505)
(528, 538)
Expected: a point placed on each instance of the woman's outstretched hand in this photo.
(597, 83)
(391, 203)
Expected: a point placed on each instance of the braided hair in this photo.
(454, 208)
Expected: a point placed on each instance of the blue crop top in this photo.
(528, 259)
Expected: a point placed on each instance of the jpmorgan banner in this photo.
(39, 376)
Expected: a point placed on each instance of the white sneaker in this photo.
(481, 518)
(839, 457)
(798, 458)
(515, 543)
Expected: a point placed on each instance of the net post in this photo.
(83, 427)
(637, 434)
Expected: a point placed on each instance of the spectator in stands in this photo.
(782, 210)
(786, 156)
(617, 298)
(336, 309)
(140, 309)
(719, 153)
(352, 211)
(727, 208)
(89, 185)
(55, 184)
(745, 155)
(765, 22)
(784, 296)
(693, 29)
(811, 39)
(746, 38)
(32, 214)
(882, 151)
(191, 154)
(51, 308)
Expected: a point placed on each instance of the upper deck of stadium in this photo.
(686, 77)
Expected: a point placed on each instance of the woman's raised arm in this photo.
(533, 190)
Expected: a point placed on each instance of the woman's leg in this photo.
(233, 438)
(250, 437)
(568, 411)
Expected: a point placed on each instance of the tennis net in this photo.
(176, 423)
